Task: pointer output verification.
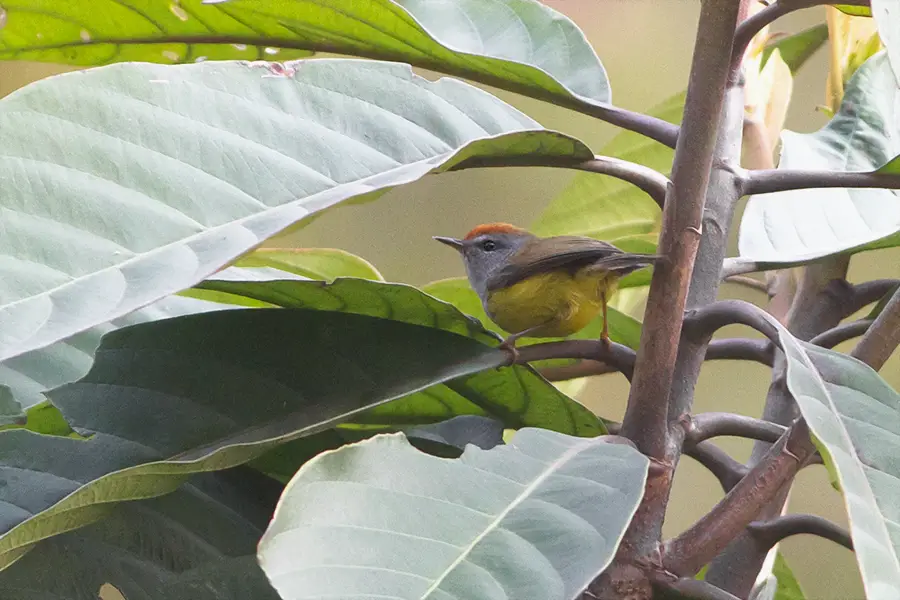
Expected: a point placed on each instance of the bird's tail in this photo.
(625, 263)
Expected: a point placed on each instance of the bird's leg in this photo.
(604, 335)
(509, 344)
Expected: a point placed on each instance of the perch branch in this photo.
(771, 532)
(761, 351)
(620, 357)
(644, 178)
(696, 589)
(718, 462)
(713, 424)
(883, 336)
(841, 333)
(699, 544)
(781, 180)
(702, 322)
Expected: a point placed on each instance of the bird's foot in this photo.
(509, 345)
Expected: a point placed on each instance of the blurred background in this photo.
(645, 46)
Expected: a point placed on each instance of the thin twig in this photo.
(781, 180)
(700, 543)
(718, 462)
(883, 336)
(748, 282)
(615, 355)
(645, 178)
(841, 333)
(771, 532)
(869, 292)
(713, 424)
(697, 589)
(703, 322)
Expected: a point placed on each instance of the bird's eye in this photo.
(488, 245)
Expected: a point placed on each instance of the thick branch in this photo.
(645, 178)
(697, 589)
(620, 357)
(703, 322)
(870, 291)
(782, 180)
(771, 532)
(687, 553)
(713, 424)
(646, 416)
(883, 336)
(726, 469)
(841, 333)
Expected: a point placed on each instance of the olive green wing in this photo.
(567, 252)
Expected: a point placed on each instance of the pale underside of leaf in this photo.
(534, 520)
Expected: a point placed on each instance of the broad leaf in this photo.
(460, 431)
(315, 263)
(517, 395)
(191, 166)
(887, 17)
(537, 519)
(778, 584)
(518, 44)
(855, 417)
(209, 392)
(800, 226)
(854, 10)
(797, 48)
(195, 544)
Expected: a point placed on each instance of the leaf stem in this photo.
(714, 424)
(726, 469)
(702, 323)
(771, 532)
(882, 337)
(841, 333)
(767, 181)
(748, 282)
(645, 178)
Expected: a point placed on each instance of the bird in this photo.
(539, 287)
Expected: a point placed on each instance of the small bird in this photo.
(542, 287)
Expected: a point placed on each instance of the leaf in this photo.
(622, 328)
(192, 166)
(855, 418)
(887, 17)
(206, 392)
(797, 48)
(516, 395)
(459, 431)
(315, 263)
(519, 44)
(537, 519)
(853, 10)
(607, 208)
(801, 226)
(788, 586)
(195, 544)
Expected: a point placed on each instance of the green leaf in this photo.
(801, 226)
(194, 165)
(622, 328)
(788, 586)
(315, 263)
(887, 18)
(195, 544)
(519, 44)
(205, 392)
(797, 48)
(607, 208)
(855, 418)
(460, 431)
(517, 395)
(537, 519)
(853, 10)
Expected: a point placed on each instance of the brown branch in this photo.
(748, 282)
(620, 357)
(713, 424)
(718, 462)
(768, 181)
(883, 336)
(644, 178)
(687, 553)
(697, 589)
(771, 532)
(583, 368)
(869, 292)
(761, 351)
(702, 323)
(841, 333)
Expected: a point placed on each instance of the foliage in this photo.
(188, 412)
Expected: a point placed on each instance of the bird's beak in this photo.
(452, 242)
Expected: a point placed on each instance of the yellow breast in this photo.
(558, 302)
